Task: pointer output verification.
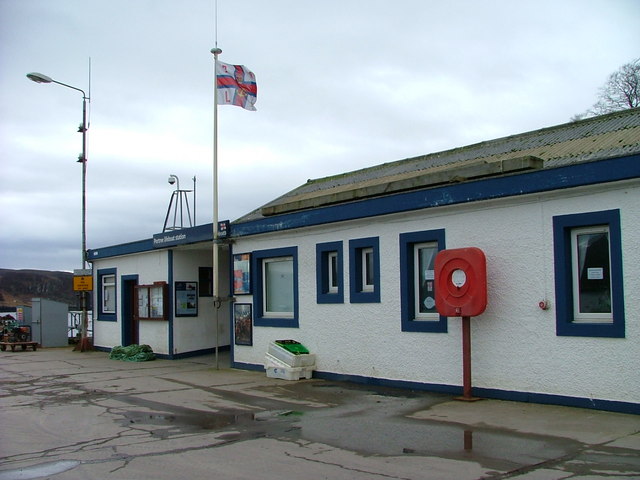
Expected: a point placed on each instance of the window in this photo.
(588, 274)
(152, 300)
(329, 275)
(205, 281)
(276, 296)
(109, 294)
(107, 300)
(277, 287)
(332, 267)
(418, 251)
(364, 270)
(591, 272)
(367, 269)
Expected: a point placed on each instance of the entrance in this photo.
(130, 324)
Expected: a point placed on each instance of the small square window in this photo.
(329, 280)
(364, 270)
(205, 281)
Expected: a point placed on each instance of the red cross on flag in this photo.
(236, 85)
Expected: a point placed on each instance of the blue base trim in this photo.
(496, 394)
(176, 356)
(565, 401)
(248, 366)
(194, 353)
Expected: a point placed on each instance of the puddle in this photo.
(178, 423)
(38, 471)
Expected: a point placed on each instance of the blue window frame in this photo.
(588, 275)
(107, 299)
(275, 276)
(417, 281)
(329, 273)
(364, 270)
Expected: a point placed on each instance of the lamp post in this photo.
(40, 78)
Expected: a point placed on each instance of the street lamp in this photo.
(40, 78)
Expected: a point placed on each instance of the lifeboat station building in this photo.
(346, 266)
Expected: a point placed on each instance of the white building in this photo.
(344, 265)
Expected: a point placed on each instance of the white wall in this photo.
(189, 333)
(514, 342)
(199, 333)
(150, 267)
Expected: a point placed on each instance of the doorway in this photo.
(130, 323)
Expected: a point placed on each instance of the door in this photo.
(130, 323)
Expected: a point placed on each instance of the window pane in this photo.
(594, 284)
(425, 275)
(333, 271)
(108, 294)
(367, 269)
(278, 285)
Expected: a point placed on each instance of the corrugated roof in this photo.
(607, 136)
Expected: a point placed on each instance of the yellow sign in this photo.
(82, 283)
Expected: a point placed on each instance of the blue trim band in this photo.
(492, 393)
(591, 173)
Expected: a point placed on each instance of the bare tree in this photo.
(621, 91)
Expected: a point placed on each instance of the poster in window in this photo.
(243, 326)
(156, 302)
(186, 299)
(143, 302)
(241, 274)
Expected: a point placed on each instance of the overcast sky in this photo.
(342, 85)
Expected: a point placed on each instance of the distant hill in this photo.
(18, 287)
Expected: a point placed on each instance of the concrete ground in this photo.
(71, 415)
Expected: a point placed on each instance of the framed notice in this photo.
(151, 301)
(241, 274)
(243, 325)
(186, 299)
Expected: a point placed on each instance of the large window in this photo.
(275, 299)
(588, 274)
(364, 270)
(329, 276)
(418, 251)
(107, 300)
(277, 287)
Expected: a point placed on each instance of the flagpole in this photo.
(216, 271)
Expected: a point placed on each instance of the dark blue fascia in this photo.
(407, 275)
(322, 273)
(591, 173)
(201, 233)
(562, 226)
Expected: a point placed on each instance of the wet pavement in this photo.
(71, 415)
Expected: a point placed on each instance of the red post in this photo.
(466, 358)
